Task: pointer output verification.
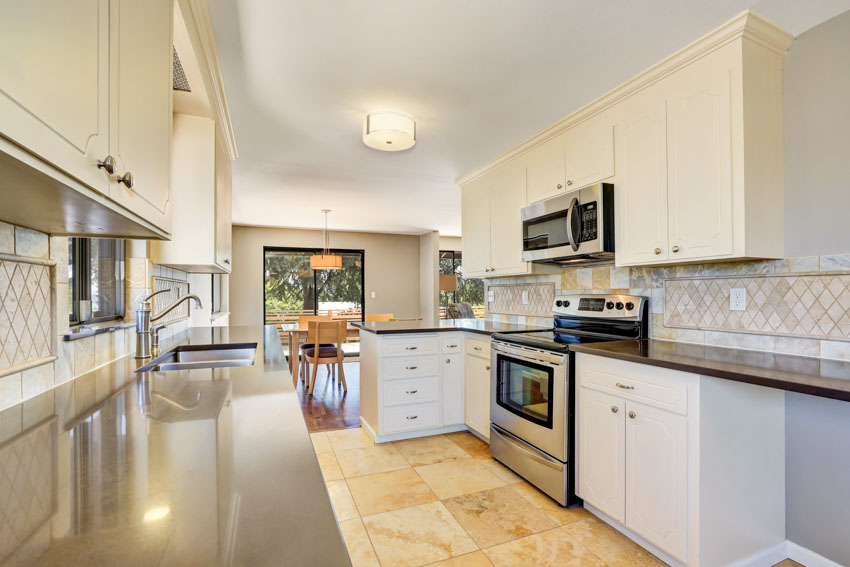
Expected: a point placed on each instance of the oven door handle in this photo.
(573, 222)
(537, 358)
(551, 463)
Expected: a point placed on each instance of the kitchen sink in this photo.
(192, 357)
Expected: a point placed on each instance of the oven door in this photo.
(528, 396)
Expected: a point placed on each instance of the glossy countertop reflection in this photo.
(820, 377)
(480, 326)
(195, 467)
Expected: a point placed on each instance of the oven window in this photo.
(525, 389)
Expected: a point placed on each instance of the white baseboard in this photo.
(766, 558)
(808, 557)
(408, 434)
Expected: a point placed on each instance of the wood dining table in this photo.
(298, 334)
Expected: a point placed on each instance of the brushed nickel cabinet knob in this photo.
(632, 415)
(658, 250)
(126, 179)
(108, 164)
(614, 409)
(675, 249)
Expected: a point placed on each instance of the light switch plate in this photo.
(525, 298)
(373, 295)
(738, 299)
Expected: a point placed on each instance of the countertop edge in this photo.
(422, 331)
(753, 378)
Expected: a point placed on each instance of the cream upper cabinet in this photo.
(657, 476)
(507, 197)
(546, 173)
(491, 223)
(641, 194)
(475, 220)
(54, 89)
(223, 206)
(601, 452)
(140, 106)
(699, 161)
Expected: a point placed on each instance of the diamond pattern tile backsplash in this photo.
(25, 312)
(508, 299)
(812, 305)
(160, 302)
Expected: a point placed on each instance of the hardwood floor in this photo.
(329, 407)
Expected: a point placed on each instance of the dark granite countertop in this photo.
(481, 326)
(194, 467)
(815, 376)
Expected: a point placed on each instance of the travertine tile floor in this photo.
(443, 501)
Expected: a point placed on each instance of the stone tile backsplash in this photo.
(794, 306)
(26, 313)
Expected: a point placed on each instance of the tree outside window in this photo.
(469, 290)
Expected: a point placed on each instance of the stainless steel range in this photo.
(532, 387)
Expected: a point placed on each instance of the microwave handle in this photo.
(573, 220)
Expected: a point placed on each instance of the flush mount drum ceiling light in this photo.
(389, 131)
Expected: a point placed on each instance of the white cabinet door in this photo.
(223, 208)
(54, 90)
(601, 452)
(641, 215)
(589, 152)
(699, 161)
(657, 477)
(140, 105)
(477, 394)
(453, 389)
(546, 170)
(475, 227)
(507, 197)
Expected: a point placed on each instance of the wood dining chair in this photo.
(375, 317)
(326, 333)
(303, 321)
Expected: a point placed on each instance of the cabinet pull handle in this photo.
(412, 391)
(411, 367)
(411, 348)
(624, 387)
(448, 361)
(632, 415)
(126, 179)
(488, 367)
(451, 346)
(614, 409)
(107, 164)
(560, 186)
(226, 261)
(675, 249)
(658, 250)
(569, 182)
(412, 416)
(476, 348)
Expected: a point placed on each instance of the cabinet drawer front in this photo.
(659, 387)
(409, 346)
(452, 344)
(478, 348)
(411, 391)
(418, 416)
(408, 367)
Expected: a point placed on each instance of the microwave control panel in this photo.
(589, 224)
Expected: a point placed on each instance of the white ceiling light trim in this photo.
(389, 131)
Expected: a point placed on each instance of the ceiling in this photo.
(479, 77)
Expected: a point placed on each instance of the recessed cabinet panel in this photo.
(601, 452)
(477, 394)
(642, 192)
(54, 89)
(507, 197)
(699, 153)
(223, 207)
(453, 405)
(475, 215)
(657, 477)
(546, 170)
(589, 153)
(140, 108)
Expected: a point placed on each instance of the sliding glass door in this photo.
(292, 289)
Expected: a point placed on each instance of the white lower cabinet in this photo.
(477, 388)
(686, 463)
(453, 393)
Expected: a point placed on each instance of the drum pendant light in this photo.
(389, 131)
(326, 260)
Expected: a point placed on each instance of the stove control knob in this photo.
(630, 305)
(610, 305)
(566, 303)
(619, 305)
(559, 303)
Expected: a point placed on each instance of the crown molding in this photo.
(196, 13)
(748, 25)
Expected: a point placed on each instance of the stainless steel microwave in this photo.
(573, 228)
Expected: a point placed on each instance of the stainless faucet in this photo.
(147, 338)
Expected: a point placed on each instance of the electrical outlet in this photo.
(738, 299)
(525, 298)
(373, 295)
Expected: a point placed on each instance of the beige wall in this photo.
(429, 275)
(450, 243)
(392, 268)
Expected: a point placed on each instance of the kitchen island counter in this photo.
(814, 376)
(480, 326)
(189, 467)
